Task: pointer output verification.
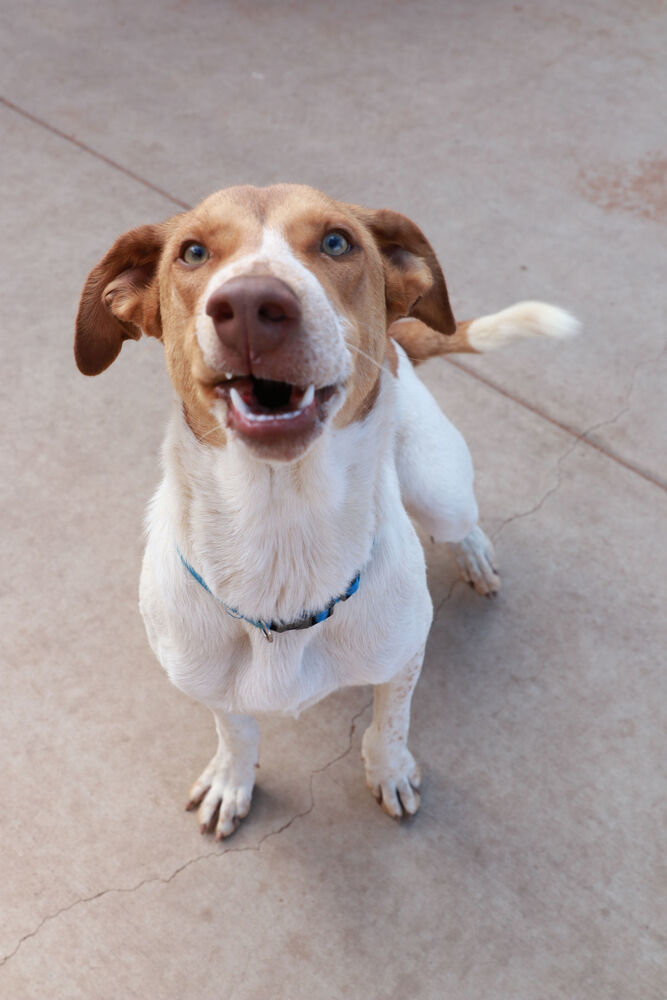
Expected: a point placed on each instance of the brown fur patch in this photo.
(420, 342)
(142, 284)
(415, 284)
(369, 402)
(119, 299)
(209, 432)
(392, 355)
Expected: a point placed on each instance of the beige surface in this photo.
(535, 869)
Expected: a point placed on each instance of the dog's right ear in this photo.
(120, 299)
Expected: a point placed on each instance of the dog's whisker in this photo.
(363, 354)
(213, 430)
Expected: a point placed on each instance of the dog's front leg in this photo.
(225, 787)
(391, 772)
(436, 479)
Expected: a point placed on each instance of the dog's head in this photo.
(273, 306)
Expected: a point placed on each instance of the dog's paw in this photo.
(391, 774)
(477, 563)
(223, 793)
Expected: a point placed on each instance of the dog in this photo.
(281, 561)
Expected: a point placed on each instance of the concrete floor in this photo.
(525, 140)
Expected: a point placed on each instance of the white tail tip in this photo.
(525, 319)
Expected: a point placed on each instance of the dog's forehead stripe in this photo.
(273, 250)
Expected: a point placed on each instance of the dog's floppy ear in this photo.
(414, 282)
(120, 299)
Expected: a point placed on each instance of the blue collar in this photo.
(266, 628)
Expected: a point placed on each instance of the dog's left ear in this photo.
(414, 282)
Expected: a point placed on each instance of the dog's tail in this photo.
(487, 333)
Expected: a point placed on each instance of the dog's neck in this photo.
(274, 541)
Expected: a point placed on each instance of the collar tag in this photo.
(265, 632)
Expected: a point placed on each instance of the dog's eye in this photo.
(335, 244)
(194, 253)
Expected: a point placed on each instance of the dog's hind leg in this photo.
(391, 772)
(223, 791)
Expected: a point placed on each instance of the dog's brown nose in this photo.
(254, 314)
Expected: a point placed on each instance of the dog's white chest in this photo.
(229, 664)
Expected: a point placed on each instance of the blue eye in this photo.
(335, 244)
(194, 253)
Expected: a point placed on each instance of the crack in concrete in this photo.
(200, 857)
(584, 436)
(566, 428)
(549, 493)
(455, 583)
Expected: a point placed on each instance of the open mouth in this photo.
(263, 409)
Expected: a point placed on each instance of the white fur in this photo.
(274, 541)
(525, 319)
(277, 540)
(476, 560)
(391, 771)
(433, 461)
(224, 788)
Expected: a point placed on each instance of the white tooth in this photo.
(308, 397)
(238, 403)
(229, 375)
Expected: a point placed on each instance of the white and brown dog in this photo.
(281, 560)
